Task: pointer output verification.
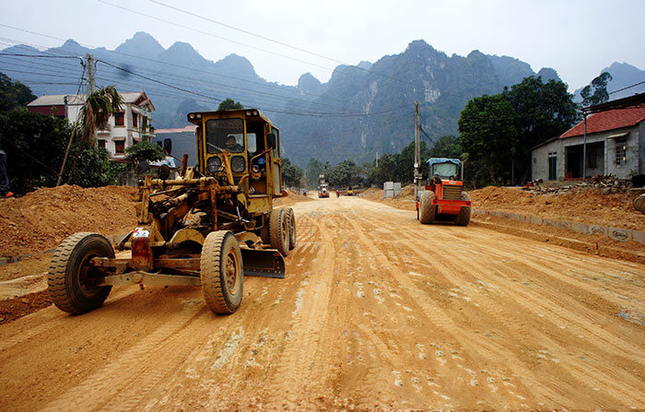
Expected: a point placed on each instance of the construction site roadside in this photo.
(376, 312)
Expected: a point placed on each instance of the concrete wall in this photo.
(540, 160)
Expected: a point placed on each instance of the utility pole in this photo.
(417, 150)
(89, 68)
(376, 159)
(584, 150)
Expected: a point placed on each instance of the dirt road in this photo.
(376, 311)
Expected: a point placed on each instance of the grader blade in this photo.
(267, 263)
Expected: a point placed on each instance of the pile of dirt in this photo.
(590, 205)
(40, 220)
(607, 185)
(372, 193)
(291, 198)
(407, 192)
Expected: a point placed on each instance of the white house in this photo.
(615, 144)
(122, 129)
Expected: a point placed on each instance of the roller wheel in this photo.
(72, 280)
(639, 203)
(222, 272)
(427, 209)
(279, 231)
(463, 218)
(292, 228)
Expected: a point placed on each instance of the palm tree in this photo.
(95, 112)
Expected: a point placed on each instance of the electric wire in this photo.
(270, 40)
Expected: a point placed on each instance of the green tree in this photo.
(345, 173)
(230, 104)
(292, 174)
(447, 146)
(488, 135)
(144, 151)
(34, 144)
(386, 170)
(600, 94)
(542, 111)
(96, 109)
(13, 94)
(95, 167)
(313, 170)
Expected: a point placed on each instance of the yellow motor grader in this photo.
(209, 227)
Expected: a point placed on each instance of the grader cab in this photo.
(443, 198)
(210, 227)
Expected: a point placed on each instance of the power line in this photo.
(265, 84)
(38, 56)
(628, 87)
(291, 98)
(255, 35)
(212, 35)
(312, 114)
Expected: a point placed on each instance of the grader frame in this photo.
(208, 228)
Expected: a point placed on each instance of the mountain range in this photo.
(361, 111)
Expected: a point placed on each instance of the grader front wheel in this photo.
(72, 279)
(222, 272)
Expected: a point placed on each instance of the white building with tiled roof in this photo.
(122, 129)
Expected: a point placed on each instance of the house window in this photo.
(135, 119)
(621, 152)
(592, 160)
(119, 146)
(102, 143)
(553, 165)
(119, 119)
(144, 122)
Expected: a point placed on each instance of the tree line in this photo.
(496, 136)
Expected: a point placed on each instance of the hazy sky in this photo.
(576, 38)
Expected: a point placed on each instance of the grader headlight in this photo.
(213, 164)
(238, 164)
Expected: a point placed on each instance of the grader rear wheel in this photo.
(279, 230)
(427, 209)
(72, 279)
(222, 272)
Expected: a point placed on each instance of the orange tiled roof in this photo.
(609, 120)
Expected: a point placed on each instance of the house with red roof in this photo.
(615, 144)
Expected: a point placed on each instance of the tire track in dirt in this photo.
(444, 322)
(399, 259)
(53, 322)
(595, 377)
(302, 358)
(97, 390)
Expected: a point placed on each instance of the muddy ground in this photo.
(376, 312)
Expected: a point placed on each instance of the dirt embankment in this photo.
(291, 199)
(587, 206)
(42, 219)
